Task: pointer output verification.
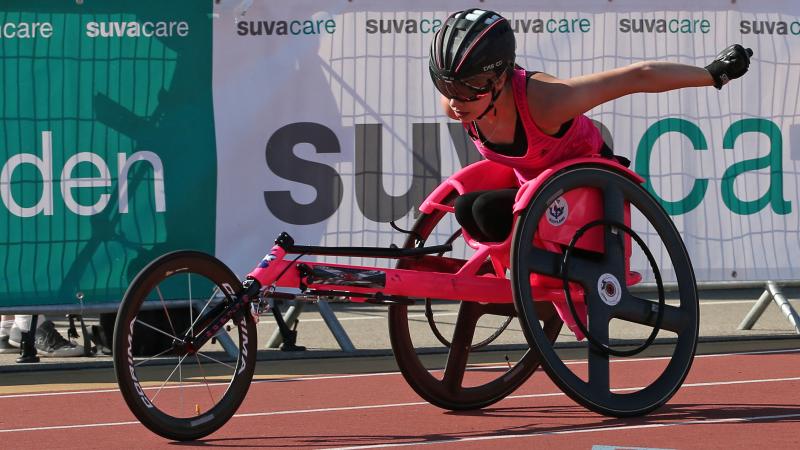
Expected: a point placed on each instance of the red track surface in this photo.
(728, 401)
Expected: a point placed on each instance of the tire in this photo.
(191, 396)
(607, 299)
(455, 390)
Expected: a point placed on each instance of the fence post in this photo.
(771, 292)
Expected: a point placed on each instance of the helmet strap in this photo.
(495, 96)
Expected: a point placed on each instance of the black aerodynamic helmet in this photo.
(470, 51)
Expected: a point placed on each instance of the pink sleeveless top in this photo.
(582, 139)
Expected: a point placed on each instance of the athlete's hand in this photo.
(730, 64)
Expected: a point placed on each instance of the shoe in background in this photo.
(15, 336)
(50, 343)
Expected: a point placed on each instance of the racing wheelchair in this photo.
(574, 258)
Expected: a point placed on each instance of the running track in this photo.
(747, 400)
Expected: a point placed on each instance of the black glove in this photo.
(730, 64)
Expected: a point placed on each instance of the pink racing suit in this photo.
(582, 139)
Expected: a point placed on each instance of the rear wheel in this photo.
(179, 395)
(464, 379)
(616, 315)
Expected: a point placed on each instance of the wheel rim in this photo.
(429, 315)
(180, 395)
(564, 269)
(596, 392)
(449, 391)
(456, 388)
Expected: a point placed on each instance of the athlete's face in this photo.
(469, 110)
(469, 107)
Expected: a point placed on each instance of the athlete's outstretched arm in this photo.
(565, 99)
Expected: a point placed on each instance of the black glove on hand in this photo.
(730, 64)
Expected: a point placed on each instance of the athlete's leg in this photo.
(493, 213)
(486, 215)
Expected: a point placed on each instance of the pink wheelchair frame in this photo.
(529, 275)
(416, 280)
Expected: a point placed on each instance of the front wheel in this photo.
(179, 395)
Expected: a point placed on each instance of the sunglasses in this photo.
(466, 90)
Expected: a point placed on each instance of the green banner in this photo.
(107, 145)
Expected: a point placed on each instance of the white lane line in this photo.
(68, 427)
(382, 374)
(401, 405)
(573, 431)
(726, 383)
(55, 394)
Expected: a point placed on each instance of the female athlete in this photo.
(532, 120)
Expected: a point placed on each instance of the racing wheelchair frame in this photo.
(567, 261)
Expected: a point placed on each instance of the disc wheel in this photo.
(177, 394)
(457, 386)
(594, 389)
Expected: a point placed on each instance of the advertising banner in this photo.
(328, 125)
(132, 128)
(107, 148)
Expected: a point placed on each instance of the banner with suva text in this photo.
(132, 128)
(328, 125)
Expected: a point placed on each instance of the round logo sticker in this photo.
(609, 289)
(557, 212)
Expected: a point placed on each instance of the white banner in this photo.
(328, 126)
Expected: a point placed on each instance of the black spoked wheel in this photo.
(463, 379)
(180, 395)
(431, 316)
(611, 305)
